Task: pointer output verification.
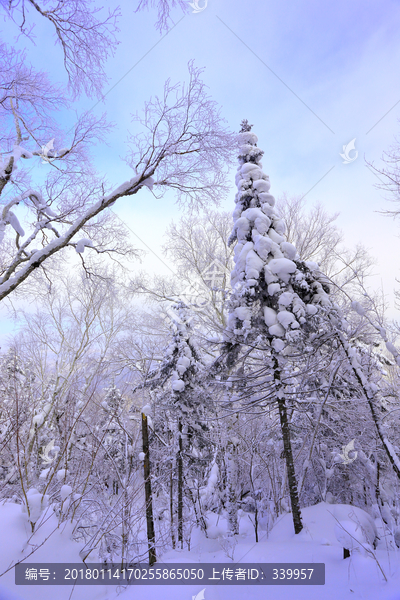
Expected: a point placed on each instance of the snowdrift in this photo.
(321, 525)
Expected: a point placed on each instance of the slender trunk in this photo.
(171, 503)
(255, 501)
(200, 521)
(370, 396)
(390, 452)
(287, 446)
(316, 427)
(147, 491)
(125, 531)
(125, 508)
(231, 495)
(180, 485)
(377, 494)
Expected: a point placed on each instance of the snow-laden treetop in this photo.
(270, 283)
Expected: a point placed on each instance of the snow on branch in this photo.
(184, 146)
(25, 263)
(81, 245)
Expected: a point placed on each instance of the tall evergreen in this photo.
(275, 294)
(181, 402)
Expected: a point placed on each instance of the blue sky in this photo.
(310, 76)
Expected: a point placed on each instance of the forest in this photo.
(244, 403)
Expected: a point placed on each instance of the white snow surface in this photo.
(278, 345)
(286, 298)
(65, 491)
(277, 330)
(392, 349)
(274, 288)
(81, 245)
(287, 319)
(212, 481)
(270, 316)
(356, 578)
(146, 410)
(243, 313)
(178, 385)
(13, 220)
(311, 309)
(351, 535)
(282, 267)
(289, 250)
(358, 308)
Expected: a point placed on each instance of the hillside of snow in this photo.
(360, 576)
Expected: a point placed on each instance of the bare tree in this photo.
(86, 37)
(313, 232)
(184, 146)
(317, 238)
(147, 486)
(201, 260)
(197, 240)
(389, 176)
(86, 34)
(163, 10)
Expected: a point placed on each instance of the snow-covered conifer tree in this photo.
(281, 302)
(270, 284)
(274, 293)
(182, 401)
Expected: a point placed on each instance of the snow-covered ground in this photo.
(357, 577)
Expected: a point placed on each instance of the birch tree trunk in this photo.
(231, 490)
